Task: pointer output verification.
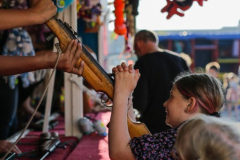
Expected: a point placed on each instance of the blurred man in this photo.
(158, 68)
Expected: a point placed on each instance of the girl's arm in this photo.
(130, 109)
(10, 65)
(119, 138)
(40, 12)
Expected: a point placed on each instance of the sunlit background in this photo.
(214, 14)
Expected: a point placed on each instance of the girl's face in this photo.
(176, 108)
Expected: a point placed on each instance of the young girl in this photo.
(191, 94)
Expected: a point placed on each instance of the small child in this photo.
(207, 137)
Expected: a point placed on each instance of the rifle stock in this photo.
(94, 74)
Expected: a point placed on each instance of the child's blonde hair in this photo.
(212, 65)
(208, 138)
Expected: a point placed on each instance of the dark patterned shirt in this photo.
(155, 147)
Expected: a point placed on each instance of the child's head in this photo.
(207, 137)
(191, 94)
(232, 77)
(213, 68)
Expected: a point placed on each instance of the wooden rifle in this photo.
(93, 73)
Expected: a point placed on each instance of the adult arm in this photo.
(10, 65)
(40, 12)
(119, 137)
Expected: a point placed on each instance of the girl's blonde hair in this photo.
(208, 138)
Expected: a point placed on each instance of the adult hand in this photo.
(69, 59)
(5, 146)
(44, 9)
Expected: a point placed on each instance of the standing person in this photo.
(191, 94)
(232, 95)
(40, 12)
(207, 137)
(158, 68)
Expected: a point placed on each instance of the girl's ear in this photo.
(191, 104)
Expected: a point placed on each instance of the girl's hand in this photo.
(122, 67)
(126, 78)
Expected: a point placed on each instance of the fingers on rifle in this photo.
(77, 53)
(81, 68)
(69, 46)
(73, 49)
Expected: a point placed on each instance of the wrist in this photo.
(130, 107)
(121, 93)
(50, 58)
(32, 16)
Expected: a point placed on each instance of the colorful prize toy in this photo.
(62, 4)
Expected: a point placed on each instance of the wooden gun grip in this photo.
(91, 73)
(136, 129)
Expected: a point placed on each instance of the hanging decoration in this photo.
(125, 13)
(90, 12)
(134, 4)
(130, 26)
(131, 13)
(120, 26)
(173, 6)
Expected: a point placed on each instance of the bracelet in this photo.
(130, 107)
(130, 97)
